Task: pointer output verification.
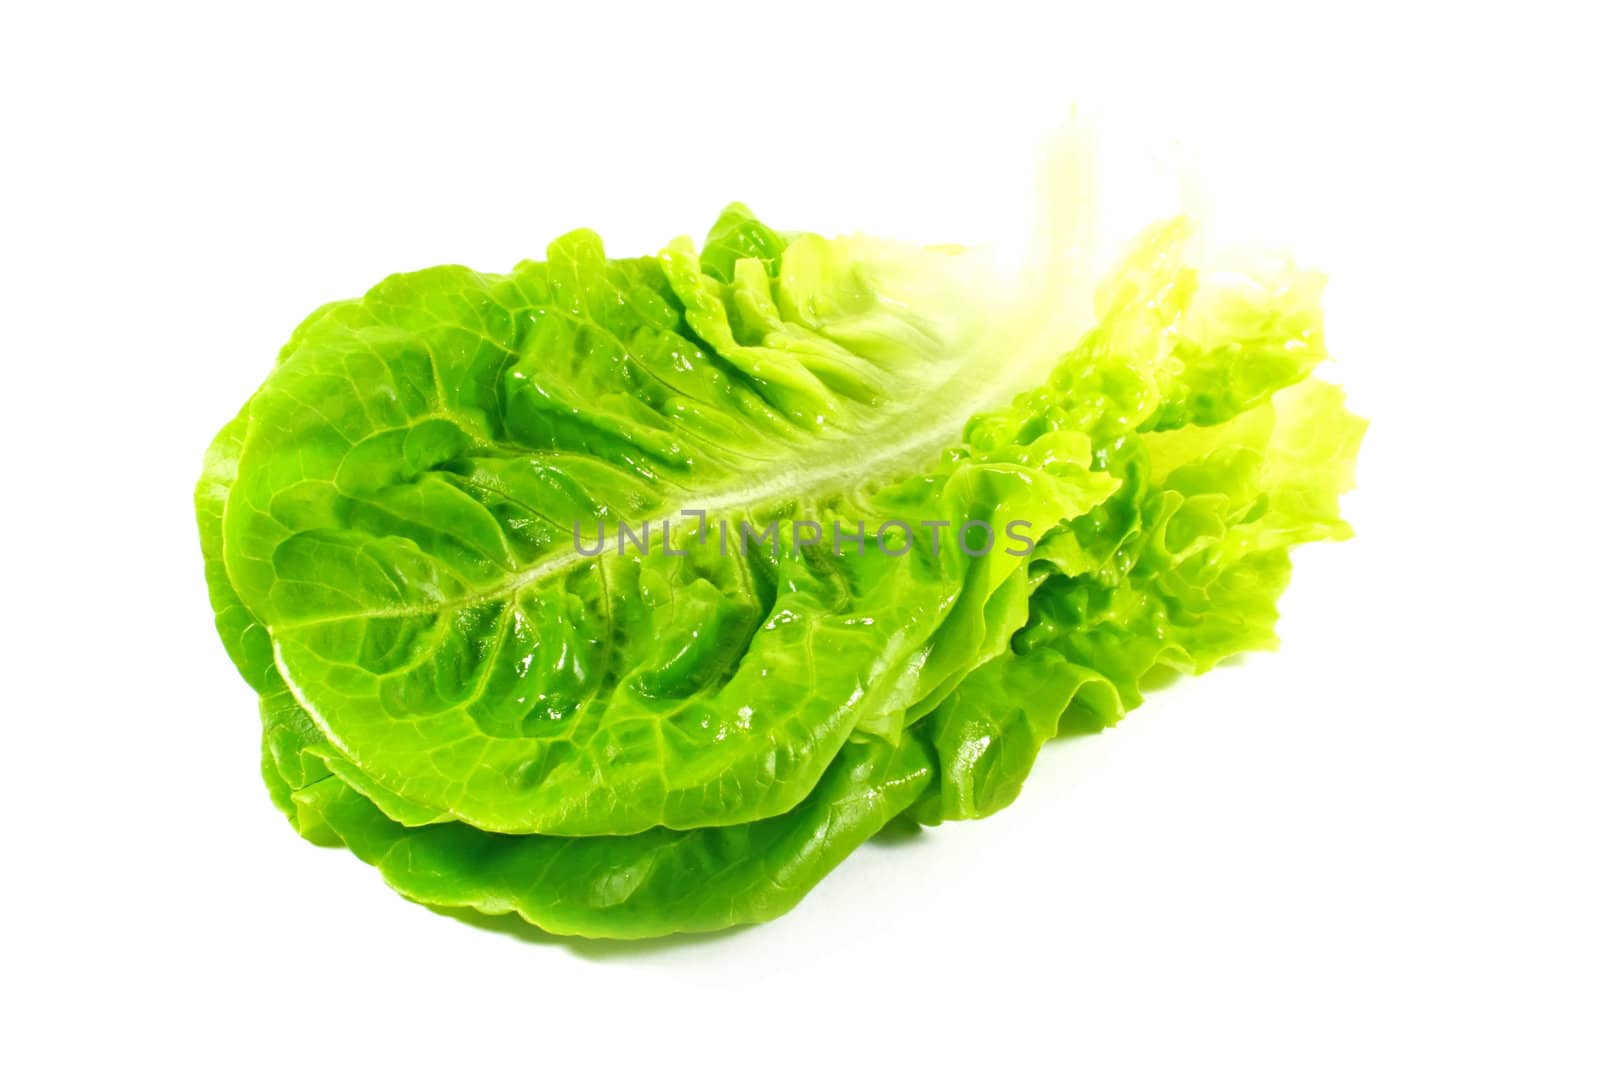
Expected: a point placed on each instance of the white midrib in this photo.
(945, 411)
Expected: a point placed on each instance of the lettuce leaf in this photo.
(628, 744)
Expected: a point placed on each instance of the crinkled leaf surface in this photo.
(629, 745)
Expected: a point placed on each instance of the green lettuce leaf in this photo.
(412, 475)
(627, 744)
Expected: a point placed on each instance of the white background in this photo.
(1375, 846)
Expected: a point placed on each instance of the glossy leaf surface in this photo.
(406, 530)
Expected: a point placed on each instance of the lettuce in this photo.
(907, 527)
